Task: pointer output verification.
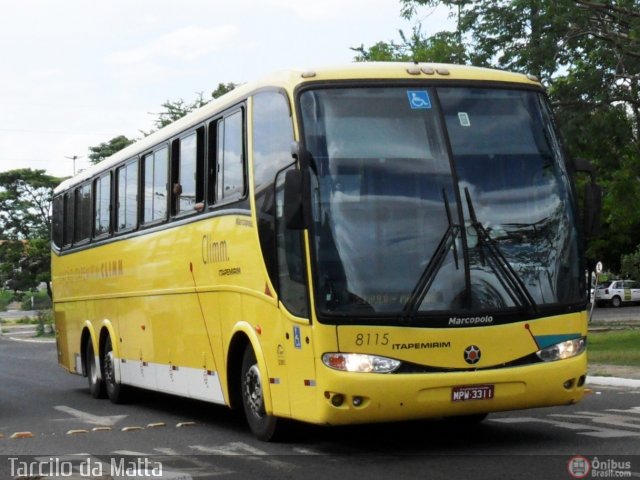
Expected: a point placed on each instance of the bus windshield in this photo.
(447, 200)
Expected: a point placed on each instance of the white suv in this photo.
(617, 291)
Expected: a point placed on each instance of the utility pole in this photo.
(74, 158)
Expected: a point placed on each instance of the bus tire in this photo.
(96, 384)
(116, 392)
(263, 425)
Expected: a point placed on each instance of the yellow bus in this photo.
(369, 243)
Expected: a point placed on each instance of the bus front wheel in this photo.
(263, 425)
(96, 384)
(115, 390)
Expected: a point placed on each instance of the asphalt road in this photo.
(629, 314)
(188, 439)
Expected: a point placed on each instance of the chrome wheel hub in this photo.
(253, 390)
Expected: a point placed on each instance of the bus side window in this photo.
(68, 219)
(155, 188)
(272, 133)
(188, 170)
(127, 207)
(230, 179)
(212, 162)
(58, 221)
(102, 206)
(83, 213)
(292, 288)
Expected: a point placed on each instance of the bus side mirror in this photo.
(592, 198)
(293, 212)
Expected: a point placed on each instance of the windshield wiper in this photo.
(447, 242)
(507, 276)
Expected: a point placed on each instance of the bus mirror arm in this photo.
(592, 198)
(303, 157)
(293, 211)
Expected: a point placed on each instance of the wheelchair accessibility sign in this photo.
(419, 99)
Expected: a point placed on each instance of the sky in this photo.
(76, 73)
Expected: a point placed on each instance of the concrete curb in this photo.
(613, 382)
(30, 340)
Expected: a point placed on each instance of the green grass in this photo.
(5, 299)
(615, 347)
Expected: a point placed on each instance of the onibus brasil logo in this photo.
(581, 467)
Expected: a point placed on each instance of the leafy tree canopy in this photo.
(25, 203)
(106, 149)
(630, 265)
(442, 47)
(587, 53)
(25, 223)
(174, 110)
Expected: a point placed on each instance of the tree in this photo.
(106, 149)
(587, 52)
(520, 35)
(223, 88)
(630, 265)
(25, 203)
(443, 47)
(24, 264)
(598, 105)
(25, 223)
(174, 110)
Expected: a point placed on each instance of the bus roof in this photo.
(289, 79)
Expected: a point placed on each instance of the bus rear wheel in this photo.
(96, 384)
(263, 425)
(116, 392)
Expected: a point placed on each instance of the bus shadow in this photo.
(432, 436)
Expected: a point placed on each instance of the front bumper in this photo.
(369, 398)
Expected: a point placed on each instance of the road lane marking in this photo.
(106, 421)
(604, 419)
(132, 453)
(588, 430)
(247, 451)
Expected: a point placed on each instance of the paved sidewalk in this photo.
(620, 371)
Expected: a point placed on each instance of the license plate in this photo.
(465, 393)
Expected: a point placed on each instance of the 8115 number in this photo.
(372, 339)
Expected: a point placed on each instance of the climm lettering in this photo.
(420, 345)
(213, 252)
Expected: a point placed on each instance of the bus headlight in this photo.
(357, 362)
(563, 350)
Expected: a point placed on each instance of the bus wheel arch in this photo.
(85, 338)
(249, 388)
(238, 345)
